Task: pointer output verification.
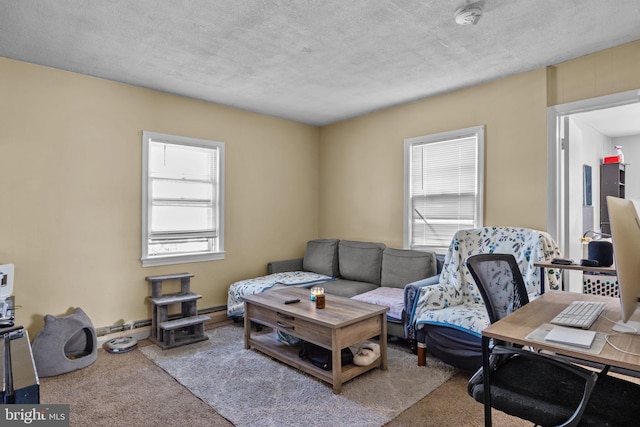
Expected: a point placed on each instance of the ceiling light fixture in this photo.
(469, 14)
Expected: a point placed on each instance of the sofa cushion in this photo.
(321, 257)
(360, 261)
(386, 297)
(346, 288)
(402, 266)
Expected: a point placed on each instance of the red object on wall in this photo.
(612, 159)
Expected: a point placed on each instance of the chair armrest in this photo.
(284, 266)
(411, 291)
(589, 377)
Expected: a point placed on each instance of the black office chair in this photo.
(528, 385)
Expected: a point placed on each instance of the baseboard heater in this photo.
(106, 330)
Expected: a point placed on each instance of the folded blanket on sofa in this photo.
(235, 305)
(386, 297)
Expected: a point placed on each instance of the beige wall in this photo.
(602, 73)
(71, 149)
(361, 160)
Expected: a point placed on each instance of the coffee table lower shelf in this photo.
(267, 344)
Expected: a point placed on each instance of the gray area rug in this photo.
(251, 389)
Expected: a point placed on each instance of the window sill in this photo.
(181, 259)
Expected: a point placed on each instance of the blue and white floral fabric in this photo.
(235, 305)
(456, 301)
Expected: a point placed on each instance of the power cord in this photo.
(632, 330)
(130, 324)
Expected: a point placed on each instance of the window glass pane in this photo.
(180, 247)
(445, 167)
(461, 207)
(182, 161)
(177, 218)
(162, 189)
(182, 199)
(438, 235)
(443, 188)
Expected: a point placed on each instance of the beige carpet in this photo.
(126, 390)
(130, 390)
(251, 389)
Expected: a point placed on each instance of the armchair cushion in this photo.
(470, 318)
(321, 257)
(360, 261)
(455, 347)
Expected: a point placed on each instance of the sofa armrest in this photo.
(411, 292)
(284, 266)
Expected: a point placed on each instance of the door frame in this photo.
(557, 180)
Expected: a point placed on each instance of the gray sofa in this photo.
(365, 270)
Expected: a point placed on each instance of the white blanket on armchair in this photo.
(456, 301)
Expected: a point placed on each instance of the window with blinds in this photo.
(443, 187)
(182, 199)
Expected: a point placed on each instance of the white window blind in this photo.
(181, 199)
(444, 183)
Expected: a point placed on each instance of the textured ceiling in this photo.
(312, 61)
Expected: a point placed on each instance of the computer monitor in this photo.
(625, 234)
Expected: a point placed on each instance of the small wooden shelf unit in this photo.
(186, 329)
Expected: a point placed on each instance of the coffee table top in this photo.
(339, 311)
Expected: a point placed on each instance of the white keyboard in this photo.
(579, 314)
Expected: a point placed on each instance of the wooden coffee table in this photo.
(341, 324)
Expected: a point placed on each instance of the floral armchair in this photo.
(448, 315)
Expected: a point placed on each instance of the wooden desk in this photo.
(547, 264)
(515, 327)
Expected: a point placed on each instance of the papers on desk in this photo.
(541, 335)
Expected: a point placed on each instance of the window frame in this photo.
(169, 259)
(476, 132)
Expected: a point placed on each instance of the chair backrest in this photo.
(500, 283)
